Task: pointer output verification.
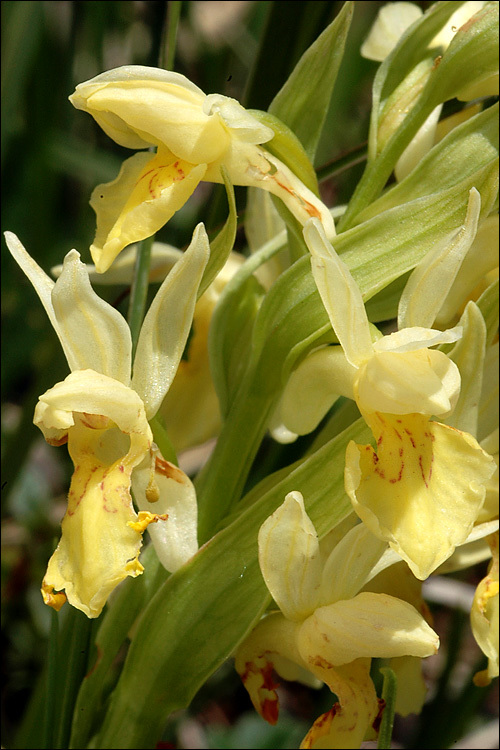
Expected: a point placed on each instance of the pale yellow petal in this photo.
(149, 189)
(163, 258)
(139, 106)
(347, 722)
(313, 387)
(425, 381)
(422, 489)
(432, 279)
(340, 295)
(168, 492)
(108, 436)
(481, 259)
(419, 146)
(369, 625)
(392, 21)
(86, 391)
(350, 564)
(289, 558)
(96, 336)
(241, 123)
(166, 326)
(411, 688)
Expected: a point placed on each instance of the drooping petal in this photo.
(149, 189)
(421, 490)
(340, 294)
(168, 492)
(345, 725)
(313, 387)
(101, 533)
(166, 326)
(433, 277)
(139, 106)
(411, 692)
(425, 381)
(289, 558)
(271, 642)
(369, 625)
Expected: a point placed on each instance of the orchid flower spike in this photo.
(102, 413)
(195, 135)
(327, 629)
(424, 485)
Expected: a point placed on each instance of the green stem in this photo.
(52, 683)
(343, 163)
(389, 692)
(221, 481)
(167, 52)
(72, 670)
(139, 291)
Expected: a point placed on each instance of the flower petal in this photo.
(138, 106)
(169, 493)
(350, 564)
(340, 295)
(423, 488)
(101, 536)
(166, 326)
(434, 275)
(346, 724)
(425, 381)
(289, 558)
(313, 387)
(369, 625)
(97, 337)
(272, 642)
(149, 189)
(92, 333)
(392, 21)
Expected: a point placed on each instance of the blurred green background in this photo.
(52, 158)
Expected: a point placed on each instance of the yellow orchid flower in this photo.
(327, 630)
(195, 135)
(424, 485)
(102, 413)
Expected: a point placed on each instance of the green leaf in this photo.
(465, 149)
(303, 102)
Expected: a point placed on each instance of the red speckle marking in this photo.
(166, 469)
(57, 442)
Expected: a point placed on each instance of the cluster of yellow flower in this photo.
(421, 496)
